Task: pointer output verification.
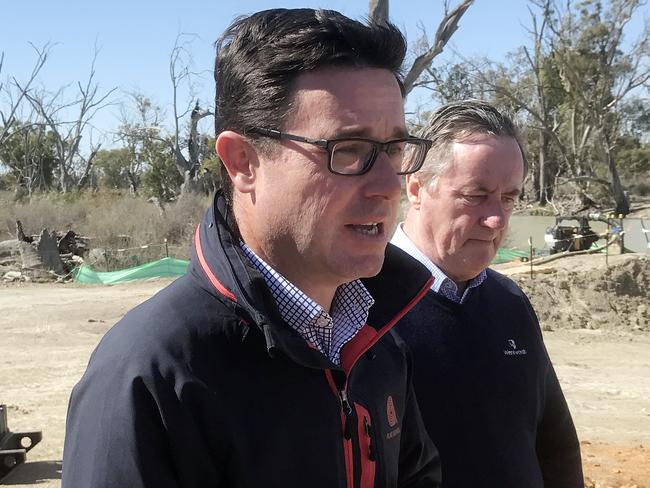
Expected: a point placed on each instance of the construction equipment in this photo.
(570, 237)
(14, 445)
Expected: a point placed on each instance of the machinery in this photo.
(14, 445)
(564, 237)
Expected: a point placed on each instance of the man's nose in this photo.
(385, 182)
(495, 216)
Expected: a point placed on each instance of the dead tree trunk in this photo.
(622, 203)
(39, 256)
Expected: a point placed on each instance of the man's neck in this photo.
(461, 285)
(321, 293)
(410, 232)
(323, 297)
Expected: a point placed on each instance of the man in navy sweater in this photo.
(490, 399)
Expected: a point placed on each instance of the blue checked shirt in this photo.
(328, 332)
(441, 283)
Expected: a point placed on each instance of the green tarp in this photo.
(163, 268)
(507, 255)
(169, 267)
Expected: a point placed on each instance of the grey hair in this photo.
(458, 122)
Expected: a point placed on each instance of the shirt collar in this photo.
(442, 284)
(349, 311)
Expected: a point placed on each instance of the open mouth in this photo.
(371, 229)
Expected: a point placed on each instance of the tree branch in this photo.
(378, 11)
(446, 29)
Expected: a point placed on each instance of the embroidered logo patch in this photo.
(390, 412)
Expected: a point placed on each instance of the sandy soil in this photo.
(47, 333)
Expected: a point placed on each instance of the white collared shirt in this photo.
(442, 284)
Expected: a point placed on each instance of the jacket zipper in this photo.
(346, 408)
(347, 412)
(367, 428)
(346, 426)
(366, 448)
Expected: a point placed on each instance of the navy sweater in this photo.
(488, 393)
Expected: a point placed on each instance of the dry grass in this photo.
(110, 221)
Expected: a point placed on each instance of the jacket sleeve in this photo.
(419, 461)
(127, 426)
(558, 449)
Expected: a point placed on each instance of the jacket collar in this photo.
(221, 268)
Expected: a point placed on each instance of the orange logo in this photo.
(390, 412)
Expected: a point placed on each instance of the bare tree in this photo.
(8, 118)
(378, 10)
(538, 64)
(448, 25)
(73, 167)
(180, 73)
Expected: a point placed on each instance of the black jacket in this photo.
(488, 393)
(204, 385)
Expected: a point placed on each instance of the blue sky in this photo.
(136, 37)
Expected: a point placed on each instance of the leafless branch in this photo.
(378, 11)
(9, 119)
(68, 134)
(446, 29)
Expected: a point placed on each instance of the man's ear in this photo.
(239, 158)
(414, 188)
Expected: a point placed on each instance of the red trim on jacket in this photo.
(368, 465)
(367, 336)
(206, 269)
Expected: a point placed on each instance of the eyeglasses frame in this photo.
(328, 145)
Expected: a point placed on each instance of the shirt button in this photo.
(322, 322)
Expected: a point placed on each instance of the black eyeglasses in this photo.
(353, 156)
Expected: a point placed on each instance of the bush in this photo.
(641, 189)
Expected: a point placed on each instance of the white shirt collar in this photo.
(404, 242)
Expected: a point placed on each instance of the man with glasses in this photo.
(272, 362)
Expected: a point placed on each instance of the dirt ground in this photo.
(595, 325)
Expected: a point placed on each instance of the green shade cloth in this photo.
(169, 267)
(507, 255)
(163, 268)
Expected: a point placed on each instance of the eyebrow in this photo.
(513, 193)
(366, 132)
(479, 188)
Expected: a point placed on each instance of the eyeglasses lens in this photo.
(354, 157)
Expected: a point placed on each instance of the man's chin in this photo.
(480, 251)
(470, 266)
(364, 267)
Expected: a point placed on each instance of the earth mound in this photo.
(614, 298)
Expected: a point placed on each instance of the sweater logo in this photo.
(514, 351)
(390, 412)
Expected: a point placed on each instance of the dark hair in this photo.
(458, 122)
(259, 58)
